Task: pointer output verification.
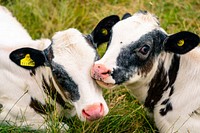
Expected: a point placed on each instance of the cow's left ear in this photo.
(28, 58)
(181, 42)
(102, 31)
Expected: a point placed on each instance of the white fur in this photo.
(17, 86)
(11, 28)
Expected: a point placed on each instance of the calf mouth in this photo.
(105, 85)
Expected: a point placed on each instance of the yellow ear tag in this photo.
(27, 61)
(180, 43)
(104, 32)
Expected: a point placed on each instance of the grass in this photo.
(42, 18)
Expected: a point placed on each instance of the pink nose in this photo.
(93, 112)
(100, 72)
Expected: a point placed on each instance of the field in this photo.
(42, 18)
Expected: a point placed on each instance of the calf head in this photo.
(136, 44)
(70, 57)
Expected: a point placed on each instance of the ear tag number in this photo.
(27, 61)
(180, 43)
(104, 32)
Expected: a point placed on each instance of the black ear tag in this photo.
(28, 58)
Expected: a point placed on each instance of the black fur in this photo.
(50, 90)
(130, 58)
(126, 15)
(1, 106)
(64, 80)
(156, 88)
(161, 82)
(191, 40)
(168, 107)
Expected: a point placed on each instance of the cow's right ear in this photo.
(28, 58)
(102, 31)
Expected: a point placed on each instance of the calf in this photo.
(38, 77)
(160, 70)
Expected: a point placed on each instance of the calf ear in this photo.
(181, 42)
(28, 58)
(102, 31)
(126, 15)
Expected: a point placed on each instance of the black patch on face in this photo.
(120, 75)
(65, 81)
(160, 83)
(50, 90)
(131, 59)
(39, 107)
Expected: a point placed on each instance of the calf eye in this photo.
(144, 50)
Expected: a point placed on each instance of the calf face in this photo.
(135, 46)
(70, 57)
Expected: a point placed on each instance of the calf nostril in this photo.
(107, 72)
(101, 107)
(85, 113)
(100, 72)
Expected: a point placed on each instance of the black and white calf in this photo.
(41, 76)
(162, 71)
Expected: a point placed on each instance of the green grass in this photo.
(42, 18)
